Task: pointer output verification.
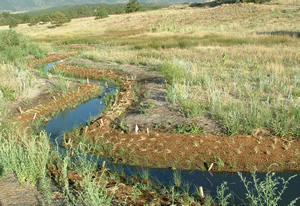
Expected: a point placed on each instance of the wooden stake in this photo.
(201, 192)
(136, 129)
(256, 133)
(148, 132)
(103, 164)
(212, 164)
(20, 110)
(34, 116)
(101, 120)
(87, 80)
(86, 128)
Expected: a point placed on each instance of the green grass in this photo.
(188, 129)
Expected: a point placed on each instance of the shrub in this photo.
(13, 23)
(133, 6)
(102, 13)
(15, 47)
(58, 19)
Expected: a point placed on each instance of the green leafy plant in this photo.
(266, 192)
(188, 129)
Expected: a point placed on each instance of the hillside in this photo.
(29, 5)
(198, 88)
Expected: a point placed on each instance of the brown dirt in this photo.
(13, 193)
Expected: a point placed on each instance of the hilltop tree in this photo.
(26, 18)
(133, 6)
(45, 18)
(102, 13)
(34, 21)
(58, 18)
(6, 15)
(13, 23)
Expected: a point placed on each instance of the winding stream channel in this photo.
(69, 119)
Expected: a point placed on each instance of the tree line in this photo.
(63, 14)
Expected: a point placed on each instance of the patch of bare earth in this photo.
(14, 193)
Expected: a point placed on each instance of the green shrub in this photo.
(14, 47)
(102, 13)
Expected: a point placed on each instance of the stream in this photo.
(191, 179)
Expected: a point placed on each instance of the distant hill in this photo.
(30, 5)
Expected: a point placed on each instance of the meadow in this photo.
(236, 64)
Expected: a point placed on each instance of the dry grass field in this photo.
(237, 64)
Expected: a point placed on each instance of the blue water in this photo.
(69, 119)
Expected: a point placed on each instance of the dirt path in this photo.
(13, 193)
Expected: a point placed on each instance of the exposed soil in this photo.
(12, 193)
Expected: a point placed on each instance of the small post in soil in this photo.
(20, 110)
(148, 132)
(256, 133)
(86, 128)
(201, 192)
(34, 116)
(212, 164)
(136, 129)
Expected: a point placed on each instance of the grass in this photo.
(215, 65)
(25, 156)
(14, 81)
(188, 129)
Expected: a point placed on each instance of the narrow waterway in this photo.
(82, 114)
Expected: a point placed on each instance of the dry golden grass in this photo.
(229, 54)
(12, 77)
(238, 20)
